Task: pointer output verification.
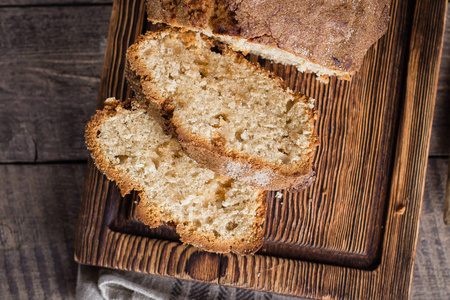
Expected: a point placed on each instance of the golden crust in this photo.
(149, 213)
(215, 154)
(333, 34)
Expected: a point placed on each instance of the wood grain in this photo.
(38, 212)
(440, 143)
(50, 75)
(361, 214)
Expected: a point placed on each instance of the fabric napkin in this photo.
(95, 283)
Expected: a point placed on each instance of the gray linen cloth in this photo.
(99, 283)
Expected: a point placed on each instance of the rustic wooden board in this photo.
(38, 213)
(353, 233)
(49, 80)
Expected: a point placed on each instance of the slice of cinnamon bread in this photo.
(231, 116)
(209, 210)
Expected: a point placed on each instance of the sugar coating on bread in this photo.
(325, 37)
(220, 101)
(209, 210)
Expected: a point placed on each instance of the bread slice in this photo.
(209, 210)
(324, 37)
(231, 116)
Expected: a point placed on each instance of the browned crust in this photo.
(149, 212)
(215, 154)
(333, 34)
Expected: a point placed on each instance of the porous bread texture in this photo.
(324, 37)
(209, 210)
(228, 114)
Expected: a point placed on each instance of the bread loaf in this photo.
(323, 37)
(209, 210)
(231, 116)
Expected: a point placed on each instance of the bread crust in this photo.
(334, 35)
(112, 107)
(149, 212)
(215, 154)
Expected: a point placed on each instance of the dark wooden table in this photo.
(51, 56)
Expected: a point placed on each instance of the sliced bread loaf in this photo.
(324, 37)
(229, 115)
(209, 210)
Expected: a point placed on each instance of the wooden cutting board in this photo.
(352, 234)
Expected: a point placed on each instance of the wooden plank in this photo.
(38, 213)
(440, 143)
(50, 74)
(432, 266)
